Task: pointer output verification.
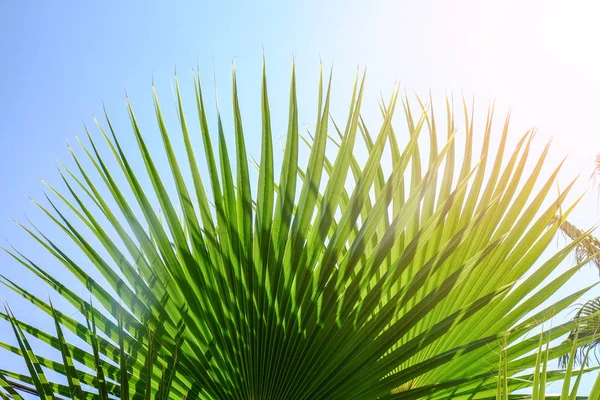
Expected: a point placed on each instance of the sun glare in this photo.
(570, 32)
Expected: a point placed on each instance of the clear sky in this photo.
(60, 60)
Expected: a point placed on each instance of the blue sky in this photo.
(60, 61)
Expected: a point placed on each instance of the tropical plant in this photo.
(540, 377)
(344, 279)
(588, 247)
(588, 316)
(587, 313)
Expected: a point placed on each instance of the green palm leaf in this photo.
(344, 279)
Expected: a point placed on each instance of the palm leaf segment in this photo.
(335, 281)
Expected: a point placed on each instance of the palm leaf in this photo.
(352, 277)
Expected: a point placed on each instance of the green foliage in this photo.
(540, 377)
(338, 280)
(588, 316)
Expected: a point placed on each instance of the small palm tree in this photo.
(588, 313)
(588, 316)
(338, 280)
(588, 247)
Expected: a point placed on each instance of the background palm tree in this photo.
(589, 316)
(588, 247)
(342, 280)
(589, 312)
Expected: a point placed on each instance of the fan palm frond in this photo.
(340, 279)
